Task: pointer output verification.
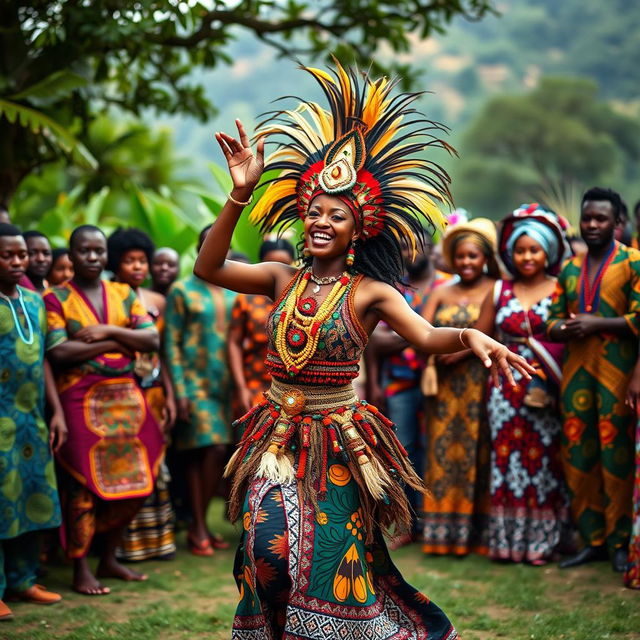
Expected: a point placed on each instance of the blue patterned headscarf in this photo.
(542, 226)
(537, 231)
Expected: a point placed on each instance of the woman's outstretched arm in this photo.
(211, 265)
(391, 307)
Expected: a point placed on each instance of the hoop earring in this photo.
(306, 252)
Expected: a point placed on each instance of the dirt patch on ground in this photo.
(568, 585)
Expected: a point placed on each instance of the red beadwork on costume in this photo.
(308, 306)
(296, 338)
(328, 364)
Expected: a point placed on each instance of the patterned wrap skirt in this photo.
(307, 568)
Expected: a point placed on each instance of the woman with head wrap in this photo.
(456, 509)
(528, 499)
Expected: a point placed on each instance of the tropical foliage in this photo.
(137, 180)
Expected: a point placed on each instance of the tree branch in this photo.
(259, 27)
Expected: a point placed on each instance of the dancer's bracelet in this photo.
(239, 203)
(461, 336)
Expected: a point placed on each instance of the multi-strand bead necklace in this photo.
(298, 330)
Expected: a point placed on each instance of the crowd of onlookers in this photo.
(545, 470)
(124, 428)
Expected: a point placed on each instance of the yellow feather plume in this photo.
(409, 187)
(275, 191)
(375, 102)
(322, 119)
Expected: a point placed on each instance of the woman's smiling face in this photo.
(468, 261)
(329, 227)
(529, 258)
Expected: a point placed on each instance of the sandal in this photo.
(400, 541)
(200, 548)
(5, 612)
(539, 562)
(36, 594)
(218, 542)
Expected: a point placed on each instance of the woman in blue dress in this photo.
(28, 491)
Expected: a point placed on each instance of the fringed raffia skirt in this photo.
(313, 484)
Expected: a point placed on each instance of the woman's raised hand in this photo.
(245, 168)
(497, 357)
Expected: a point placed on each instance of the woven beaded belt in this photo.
(310, 398)
(337, 409)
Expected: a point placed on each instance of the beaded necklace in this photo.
(320, 281)
(297, 333)
(16, 320)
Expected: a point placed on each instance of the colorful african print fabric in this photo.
(249, 317)
(597, 440)
(114, 444)
(28, 490)
(312, 562)
(402, 371)
(400, 375)
(151, 533)
(84, 515)
(529, 504)
(457, 464)
(308, 574)
(197, 321)
(632, 575)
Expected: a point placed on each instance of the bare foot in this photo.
(85, 582)
(111, 568)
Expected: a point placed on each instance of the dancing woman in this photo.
(318, 471)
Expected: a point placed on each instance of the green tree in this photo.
(138, 180)
(547, 141)
(61, 61)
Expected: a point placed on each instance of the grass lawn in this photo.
(195, 597)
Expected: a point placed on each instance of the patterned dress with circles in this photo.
(28, 490)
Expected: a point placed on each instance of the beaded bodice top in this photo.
(341, 340)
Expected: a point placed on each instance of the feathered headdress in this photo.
(366, 149)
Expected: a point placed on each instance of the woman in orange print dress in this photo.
(248, 339)
(457, 462)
